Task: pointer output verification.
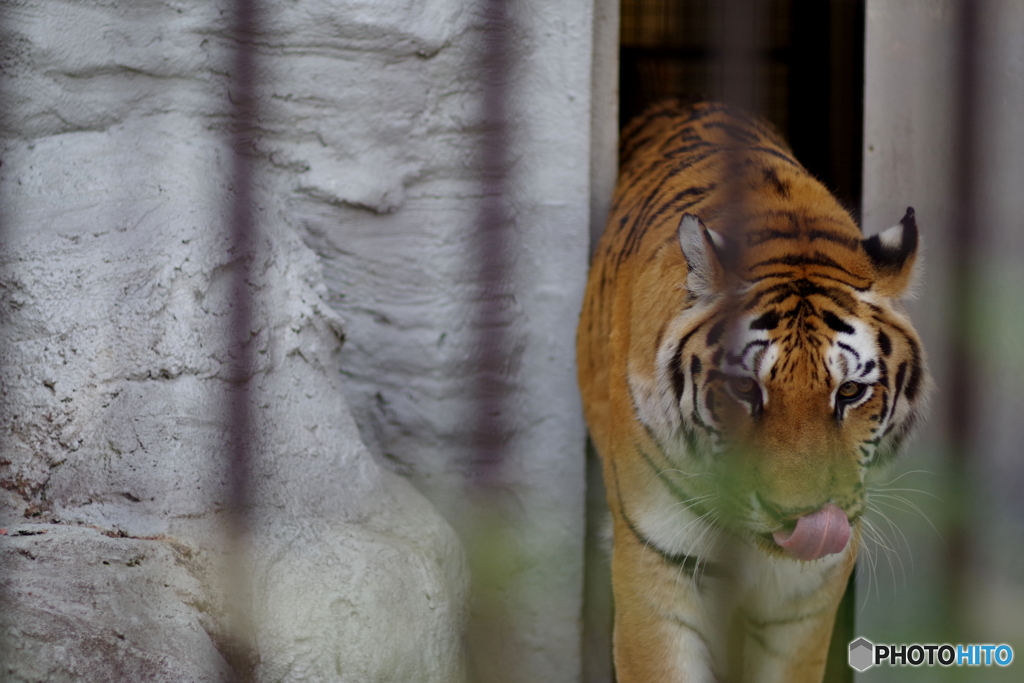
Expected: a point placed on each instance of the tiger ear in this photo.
(893, 253)
(709, 256)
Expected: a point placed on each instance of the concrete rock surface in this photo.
(115, 281)
(90, 607)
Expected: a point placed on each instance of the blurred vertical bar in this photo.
(491, 247)
(963, 253)
(737, 65)
(6, 583)
(490, 546)
(844, 118)
(604, 115)
(596, 645)
(738, 56)
(742, 70)
(243, 118)
(242, 127)
(825, 126)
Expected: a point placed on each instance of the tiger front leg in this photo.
(785, 628)
(767, 620)
(787, 653)
(661, 633)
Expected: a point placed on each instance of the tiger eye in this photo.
(743, 385)
(850, 389)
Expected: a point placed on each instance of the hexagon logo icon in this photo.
(862, 654)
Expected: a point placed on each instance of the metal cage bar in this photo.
(243, 127)
(964, 251)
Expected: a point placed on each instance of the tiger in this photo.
(747, 369)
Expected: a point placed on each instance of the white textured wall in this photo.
(115, 277)
(114, 281)
(401, 268)
(909, 141)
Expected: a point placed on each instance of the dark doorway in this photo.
(809, 73)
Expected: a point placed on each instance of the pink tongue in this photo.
(816, 535)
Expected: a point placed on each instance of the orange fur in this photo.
(719, 243)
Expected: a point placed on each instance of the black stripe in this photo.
(709, 403)
(676, 151)
(766, 321)
(833, 321)
(901, 372)
(676, 492)
(716, 375)
(702, 111)
(686, 133)
(817, 259)
(676, 370)
(802, 288)
(699, 422)
(780, 155)
(851, 243)
(701, 194)
(787, 274)
(689, 564)
(690, 627)
(735, 132)
(757, 237)
(782, 622)
(771, 178)
(686, 164)
(849, 348)
(676, 364)
(695, 370)
(859, 288)
(759, 639)
(637, 229)
(736, 359)
(884, 344)
(716, 332)
(617, 488)
(651, 208)
(914, 382)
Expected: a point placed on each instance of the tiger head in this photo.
(790, 376)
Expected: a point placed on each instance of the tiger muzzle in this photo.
(823, 532)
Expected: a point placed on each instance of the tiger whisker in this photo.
(922, 492)
(911, 506)
(893, 549)
(881, 541)
(896, 479)
(703, 475)
(868, 569)
(896, 530)
(873, 535)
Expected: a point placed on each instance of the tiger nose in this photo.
(787, 514)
